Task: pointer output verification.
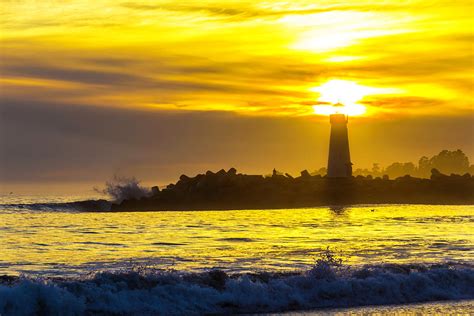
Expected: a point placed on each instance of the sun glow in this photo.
(347, 93)
(246, 57)
(352, 110)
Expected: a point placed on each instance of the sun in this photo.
(345, 92)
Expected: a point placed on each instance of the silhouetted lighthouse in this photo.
(339, 162)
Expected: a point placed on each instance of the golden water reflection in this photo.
(243, 240)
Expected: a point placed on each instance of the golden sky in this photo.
(159, 88)
(249, 57)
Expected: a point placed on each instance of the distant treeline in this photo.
(446, 162)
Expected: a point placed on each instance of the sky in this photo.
(154, 89)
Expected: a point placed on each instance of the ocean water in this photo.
(240, 261)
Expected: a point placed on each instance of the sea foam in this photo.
(152, 292)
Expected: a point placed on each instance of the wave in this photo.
(79, 206)
(151, 292)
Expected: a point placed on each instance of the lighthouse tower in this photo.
(339, 162)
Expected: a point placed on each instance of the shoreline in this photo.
(446, 307)
(334, 207)
(84, 207)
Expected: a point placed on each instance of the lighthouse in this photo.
(339, 161)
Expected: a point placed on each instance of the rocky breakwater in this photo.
(232, 190)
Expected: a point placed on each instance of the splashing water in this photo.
(123, 188)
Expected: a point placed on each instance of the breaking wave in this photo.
(117, 189)
(151, 292)
(78, 206)
(123, 188)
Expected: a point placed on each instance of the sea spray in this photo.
(123, 188)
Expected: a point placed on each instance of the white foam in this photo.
(178, 293)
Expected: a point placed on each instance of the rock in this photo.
(221, 172)
(184, 178)
(305, 174)
(155, 190)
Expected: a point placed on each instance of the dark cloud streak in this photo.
(251, 12)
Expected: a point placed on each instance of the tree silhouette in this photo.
(446, 162)
(399, 169)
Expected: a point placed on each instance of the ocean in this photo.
(237, 261)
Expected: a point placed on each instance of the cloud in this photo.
(75, 74)
(186, 82)
(155, 89)
(210, 10)
(254, 10)
(404, 103)
(170, 56)
(60, 143)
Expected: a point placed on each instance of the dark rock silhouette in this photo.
(305, 174)
(155, 190)
(232, 190)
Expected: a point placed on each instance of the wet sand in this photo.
(430, 308)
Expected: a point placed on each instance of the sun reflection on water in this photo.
(243, 240)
